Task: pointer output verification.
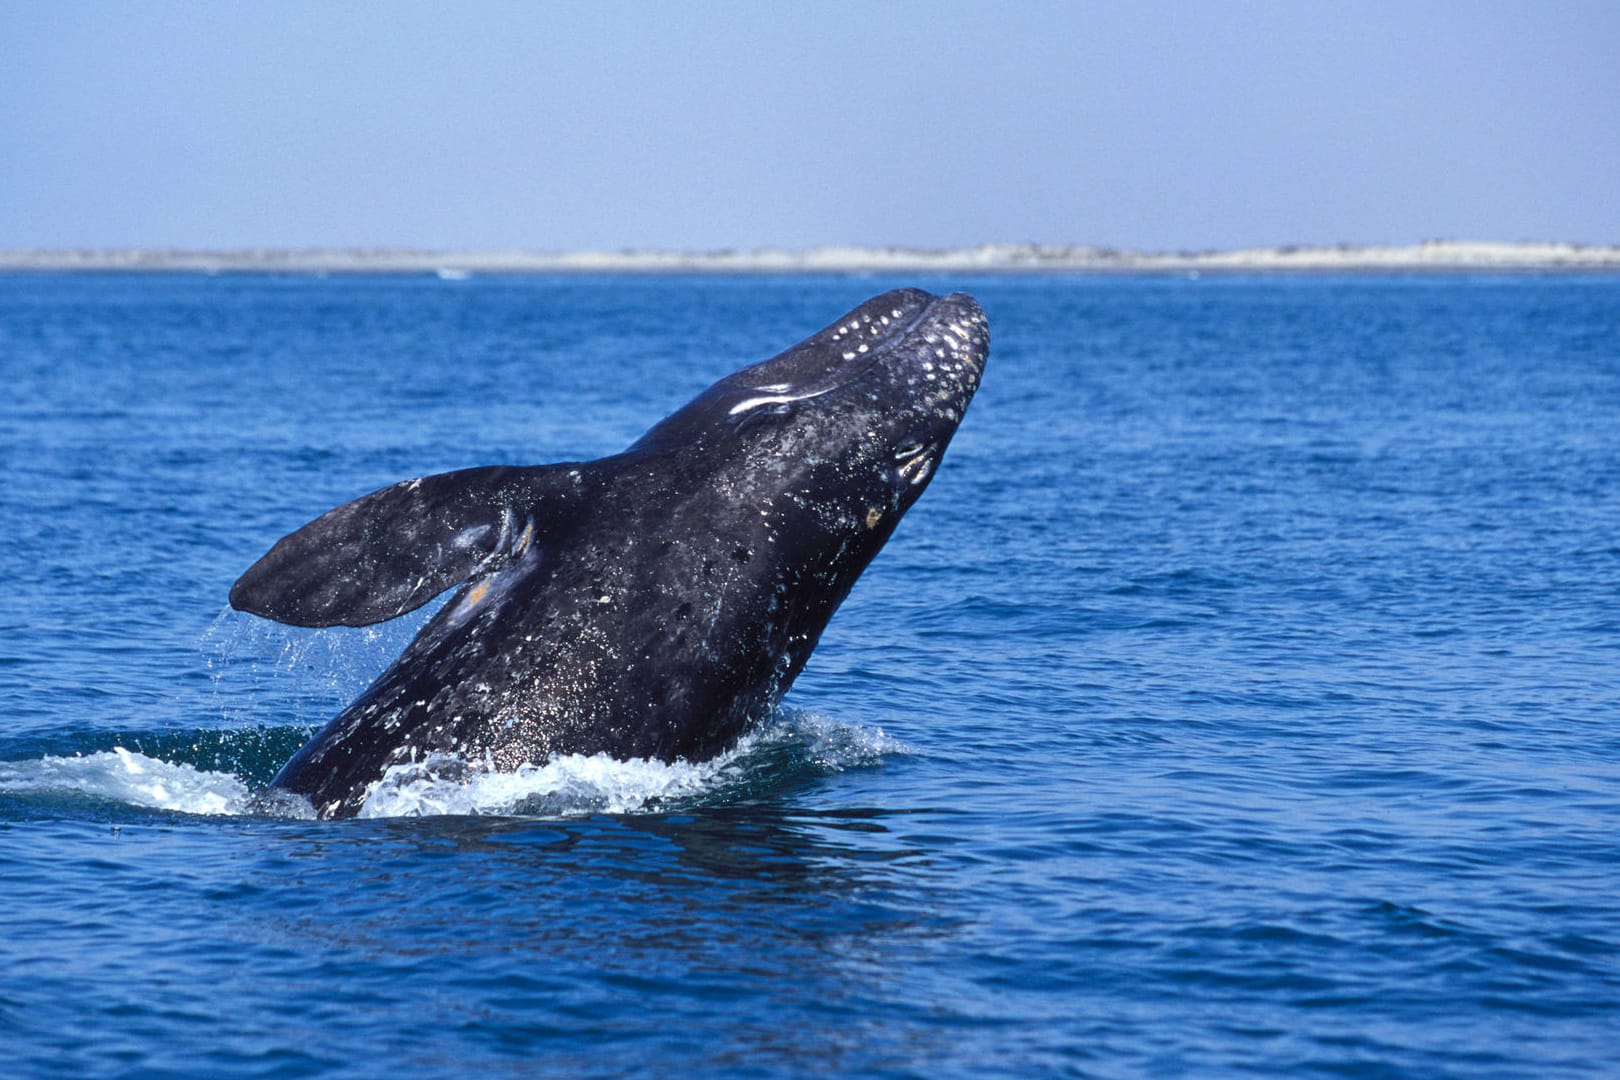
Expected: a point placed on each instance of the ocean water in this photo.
(1242, 699)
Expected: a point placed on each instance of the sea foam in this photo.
(574, 784)
(129, 777)
(441, 784)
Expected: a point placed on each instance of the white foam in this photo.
(443, 784)
(129, 777)
(575, 785)
(834, 745)
(565, 786)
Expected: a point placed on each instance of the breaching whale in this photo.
(650, 604)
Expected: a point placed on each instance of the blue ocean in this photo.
(1242, 698)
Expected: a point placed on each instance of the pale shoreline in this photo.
(1438, 256)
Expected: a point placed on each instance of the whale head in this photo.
(851, 421)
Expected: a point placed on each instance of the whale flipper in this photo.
(392, 551)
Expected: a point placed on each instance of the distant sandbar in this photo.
(1437, 255)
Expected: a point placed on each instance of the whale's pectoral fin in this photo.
(394, 550)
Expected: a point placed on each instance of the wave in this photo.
(130, 777)
(793, 745)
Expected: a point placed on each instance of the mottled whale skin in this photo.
(650, 604)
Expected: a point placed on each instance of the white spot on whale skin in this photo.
(756, 402)
(468, 537)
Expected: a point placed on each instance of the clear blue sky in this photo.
(936, 123)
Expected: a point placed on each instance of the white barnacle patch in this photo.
(917, 469)
(469, 537)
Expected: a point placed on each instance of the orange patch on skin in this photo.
(873, 516)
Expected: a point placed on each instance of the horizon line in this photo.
(834, 258)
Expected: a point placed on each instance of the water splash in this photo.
(129, 777)
(794, 745)
(575, 785)
(314, 673)
(563, 787)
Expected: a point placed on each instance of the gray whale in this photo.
(650, 604)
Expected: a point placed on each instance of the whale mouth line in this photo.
(774, 399)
